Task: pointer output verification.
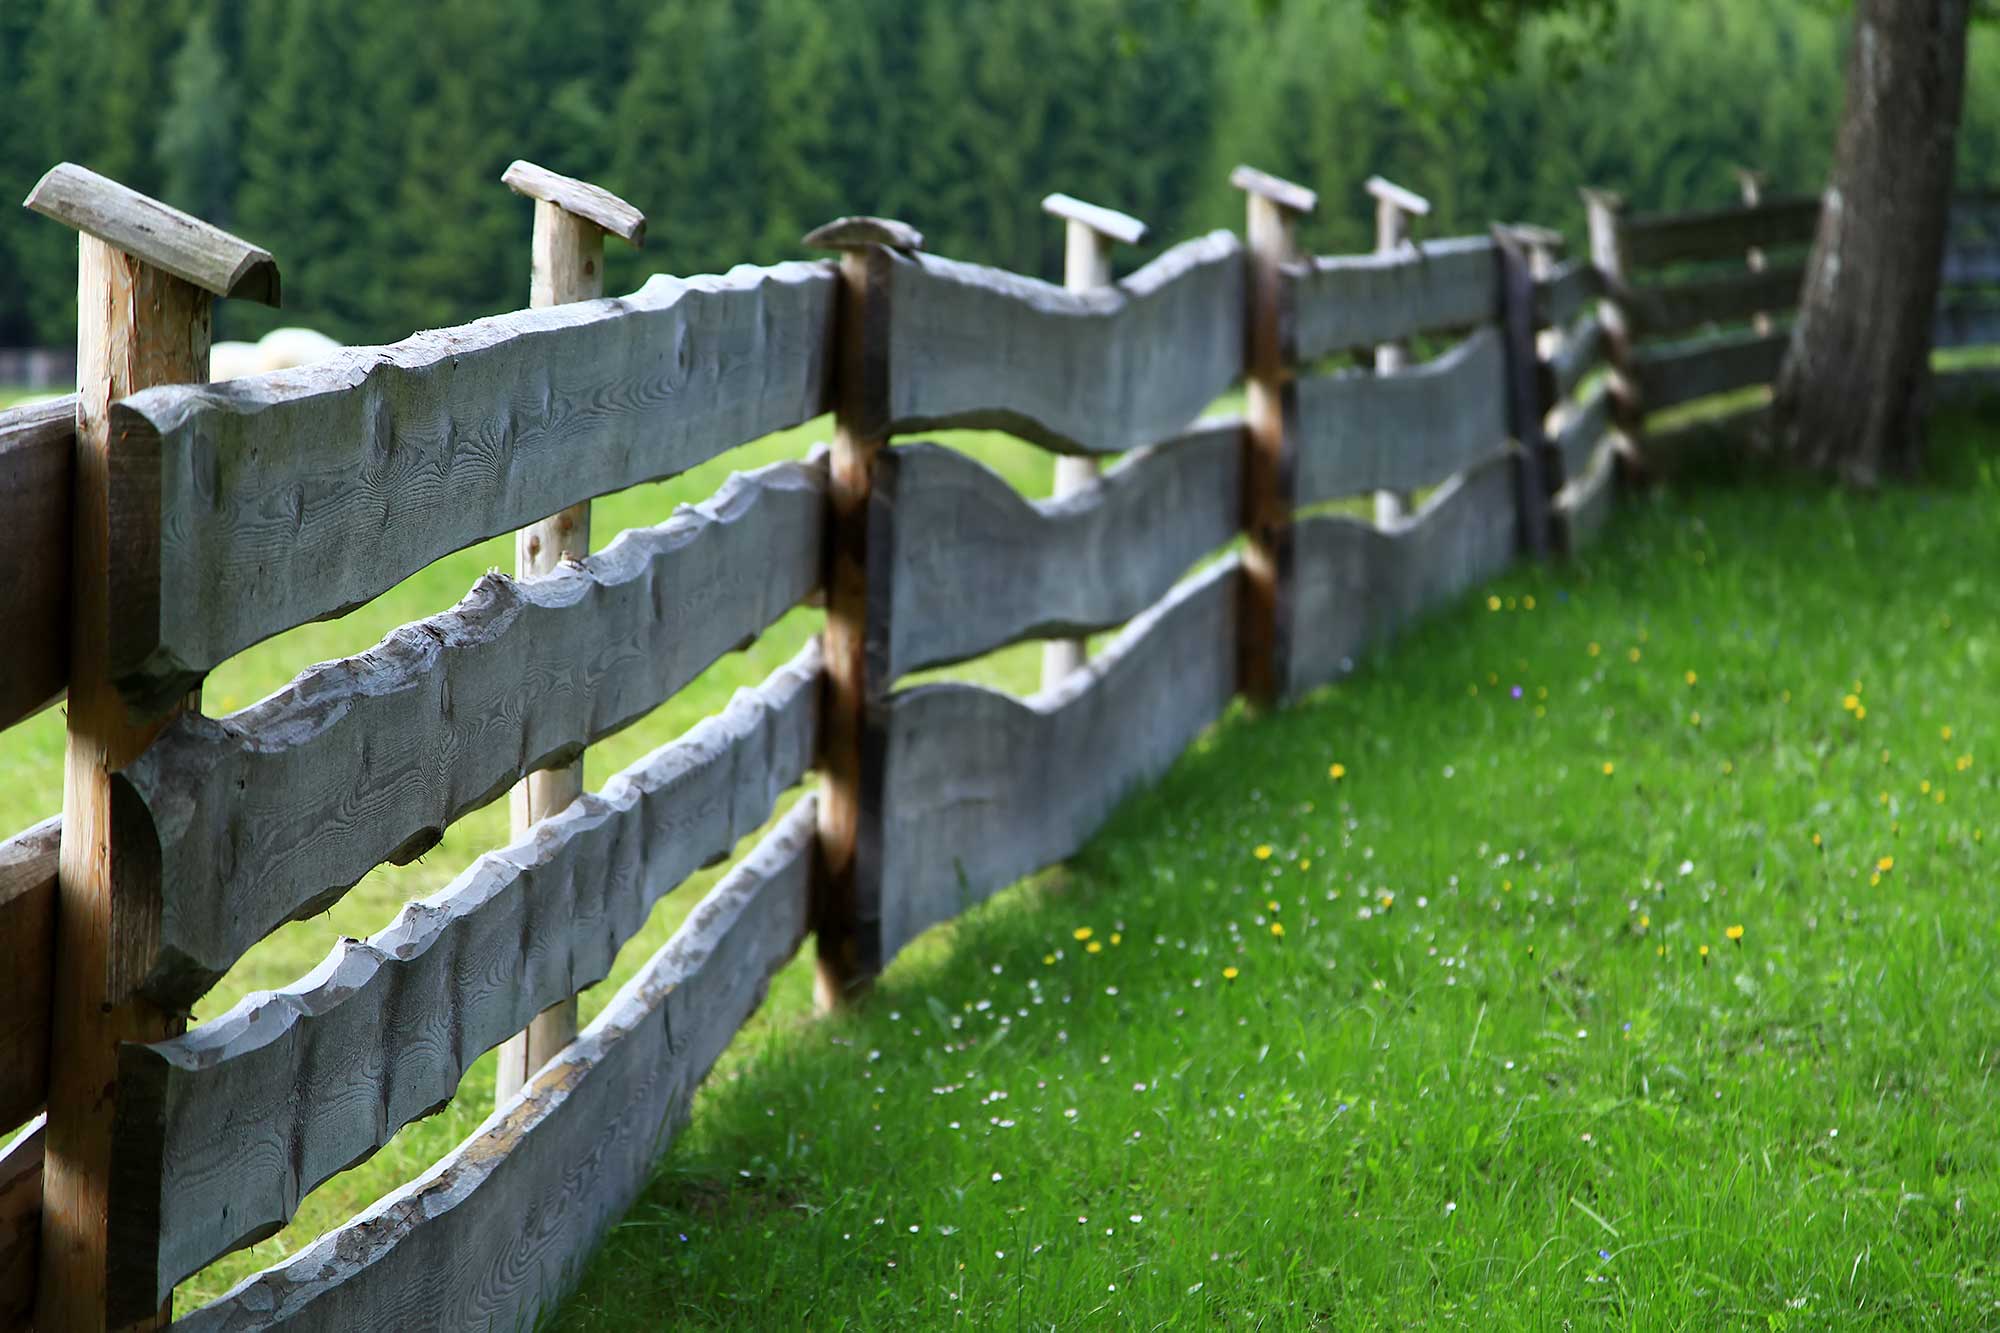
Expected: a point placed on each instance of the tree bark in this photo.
(1851, 396)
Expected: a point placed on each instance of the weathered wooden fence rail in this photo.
(239, 510)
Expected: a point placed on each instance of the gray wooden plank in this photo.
(498, 1231)
(1363, 432)
(1093, 372)
(1348, 301)
(1674, 373)
(1582, 350)
(300, 494)
(1966, 323)
(981, 788)
(382, 1031)
(1971, 265)
(1584, 506)
(973, 566)
(1356, 585)
(1583, 430)
(272, 813)
(20, 1225)
(1727, 299)
(27, 967)
(1721, 233)
(1567, 292)
(36, 444)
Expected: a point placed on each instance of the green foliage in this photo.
(362, 139)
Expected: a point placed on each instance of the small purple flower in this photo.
(1516, 691)
(1605, 1255)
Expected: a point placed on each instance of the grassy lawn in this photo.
(1616, 950)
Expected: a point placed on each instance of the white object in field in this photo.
(280, 349)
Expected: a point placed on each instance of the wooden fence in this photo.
(236, 511)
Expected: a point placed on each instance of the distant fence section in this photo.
(1228, 552)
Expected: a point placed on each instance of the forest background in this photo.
(362, 140)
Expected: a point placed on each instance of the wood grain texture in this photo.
(1583, 430)
(1585, 347)
(1674, 373)
(27, 967)
(981, 788)
(1567, 292)
(1092, 372)
(1729, 299)
(1357, 300)
(1967, 322)
(973, 566)
(496, 1233)
(272, 813)
(1721, 233)
(197, 253)
(290, 1087)
(20, 1225)
(299, 494)
(592, 203)
(37, 443)
(1356, 585)
(1360, 432)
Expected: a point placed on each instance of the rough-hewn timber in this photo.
(982, 788)
(973, 566)
(1357, 584)
(1583, 349)
(146, 229)
(27, 961)
(1722, 233)
(1583, 430)
(493, 1235)
(1584, 506)
(274, 812)
(1731, 299)
(1357, 300)
(20, 1225)
(1567, 292)
(1674, 373)
(1092, 372)
(37, 443)
(383, 1030)
(299, 494)
(1361, 432)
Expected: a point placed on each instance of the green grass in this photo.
(1487, 1077)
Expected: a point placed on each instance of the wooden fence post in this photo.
(1394, 207)
(1750, 185)
(1275, 206)
(571, 220)
(1089, 232)
(847, 905)
(147, 276)
(1537, 473)
(1605, 212)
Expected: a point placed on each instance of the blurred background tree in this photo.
(362, 140)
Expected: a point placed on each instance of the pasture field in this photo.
(1615, 950)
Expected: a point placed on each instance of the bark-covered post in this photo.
(147, 277)
(572, 218)
(1271, 231)
(1089, 232)
(847, 898)
(1750, 187)
(1395, 207)
(1537, 472)
(1605, 212)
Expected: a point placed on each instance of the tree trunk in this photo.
(1850, 399)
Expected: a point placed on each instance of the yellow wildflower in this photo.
(1263, 852)
(1492, 603)
(1690, 677)
(1083, 932)
(1593, 650)
(1886, 863)
(1271, 906)
(1735, 933)
(1633, 655)
(1278, 929)
(1305, 863)
(1944, 733)
(1964, 762)
(1093, 947)
(1339, 771)
(1229, 974)
(1608, 766)
(1116, 939)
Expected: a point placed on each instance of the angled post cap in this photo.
(1750, 178)
(1106, 222)
(590, 202)
(193, 251)
(1291, 197)
(1530, 235)
(1391, 193)
(1609, 200)
(858, 233)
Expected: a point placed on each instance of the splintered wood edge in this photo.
(853, 233)
(1107, 222)
(592, 203)
(168, 239)
(1390, 192)
(1283, 193)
